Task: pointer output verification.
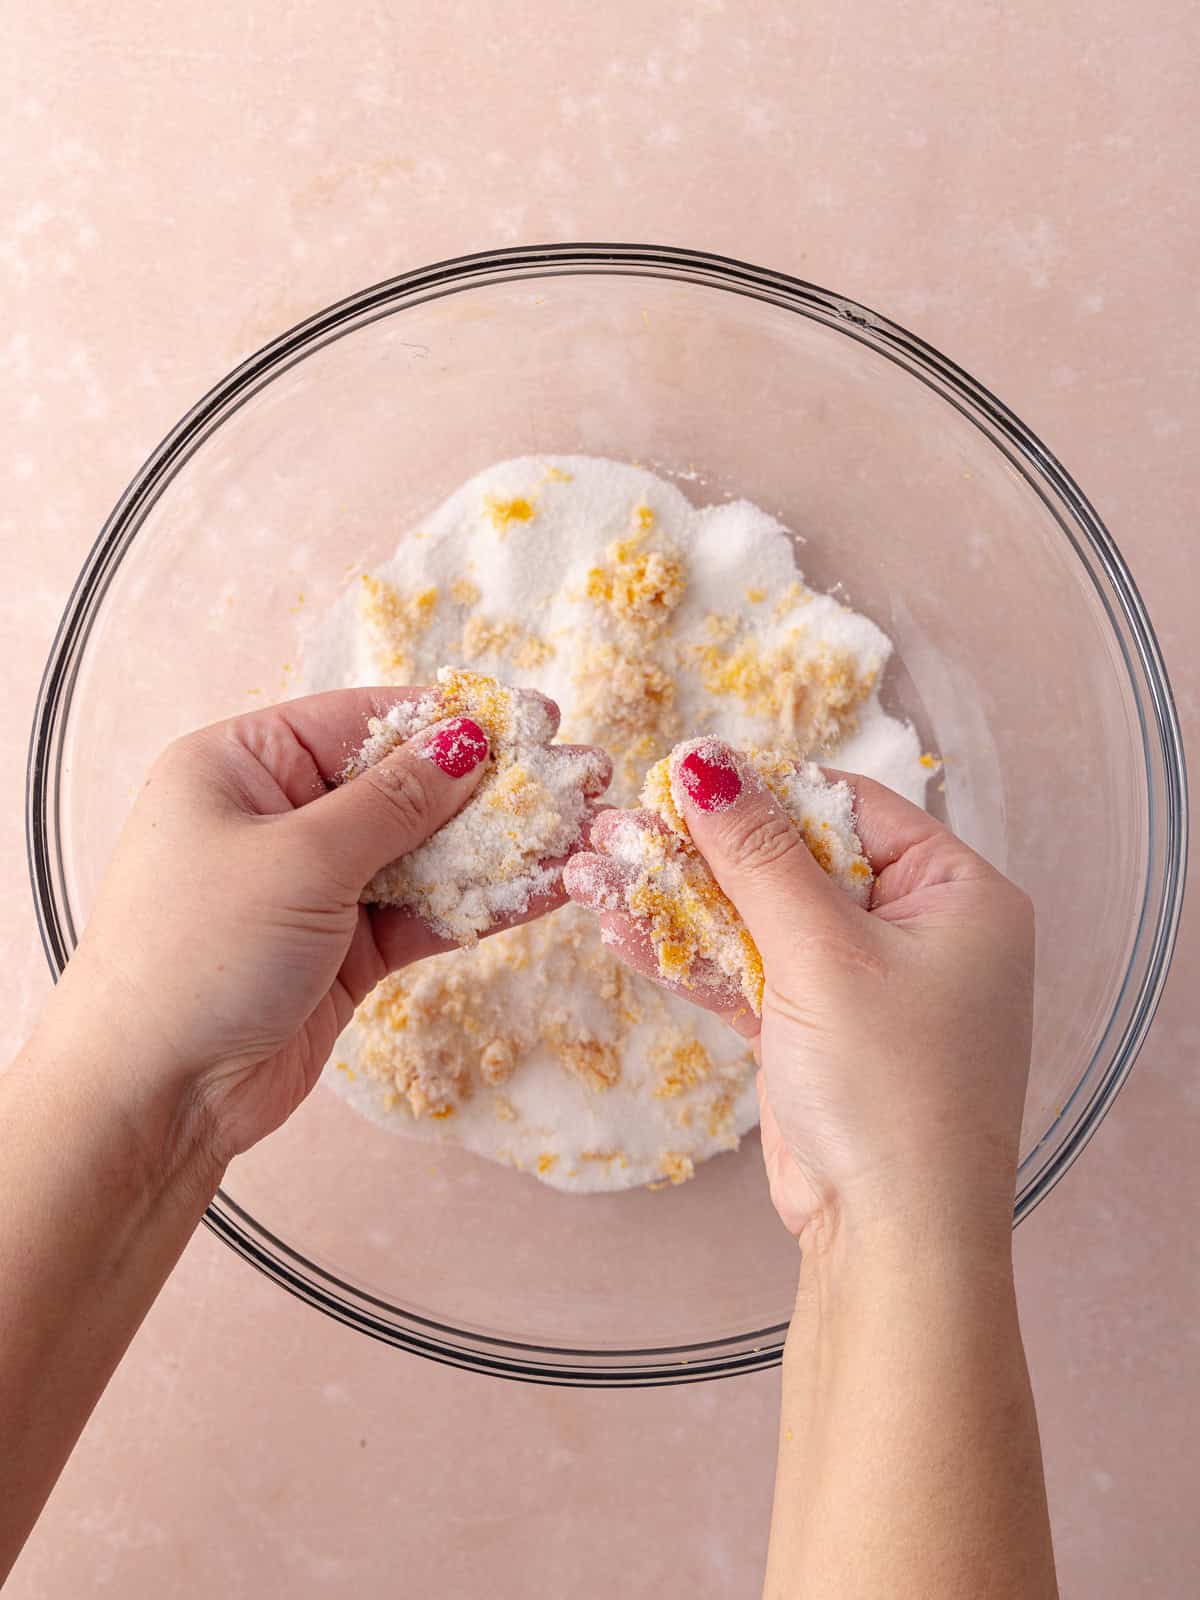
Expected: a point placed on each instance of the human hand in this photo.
(227, 948)
(894, 1042)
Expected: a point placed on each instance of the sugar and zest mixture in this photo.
(623, 688)
(555, 1089)
(529, 808)
(648, 620)
(440, 1032)
(696, 933)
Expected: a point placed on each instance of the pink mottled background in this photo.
(1017, 184)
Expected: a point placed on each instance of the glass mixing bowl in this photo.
(1023, 653)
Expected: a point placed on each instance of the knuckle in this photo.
(1022, 901)
(761, 839)
(1021, 910)
(189, 765)
(398, 792)
(939, 858)
(182, 752)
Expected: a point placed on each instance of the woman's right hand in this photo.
(894, 1042)
(228, 946)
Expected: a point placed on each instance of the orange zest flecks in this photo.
(488, 636)
(504, 513)
(395, 620)
(681, 1062)
(676, 1167)
(472, 694)
(639, 585)
(595, 1062)
(812, 698)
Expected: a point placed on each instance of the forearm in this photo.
(97, 1209)
(909, 1462)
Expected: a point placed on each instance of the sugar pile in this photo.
(530, 806)
(649, 621)
(696, 933)
(540, 1050)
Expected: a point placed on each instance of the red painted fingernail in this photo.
(710, 778)
(457, 747)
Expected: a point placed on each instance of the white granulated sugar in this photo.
(529, 808)
(649, 621)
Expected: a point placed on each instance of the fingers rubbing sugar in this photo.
(595, 881)
(690, 921)
(489, 861)
(646, 617)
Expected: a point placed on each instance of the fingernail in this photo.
(457, 747)
(710, 778)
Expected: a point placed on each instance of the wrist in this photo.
(101, 1066)
(962, 1190)
(918, 1257)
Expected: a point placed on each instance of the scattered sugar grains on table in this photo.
(649, 621)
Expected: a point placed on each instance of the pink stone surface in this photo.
(1014, 185)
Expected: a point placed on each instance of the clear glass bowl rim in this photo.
(1162, 750)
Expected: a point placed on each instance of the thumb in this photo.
(389, 809)
(756, 853)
